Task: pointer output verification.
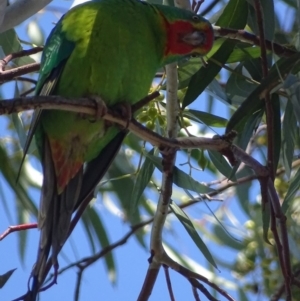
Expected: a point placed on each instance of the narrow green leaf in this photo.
(18, 124)
(202, 160)
(226, 239)
(267, 7)
(10, 174)
(266, 217)
(217, 91)
(253, 66)
(9, 42)
(234, 15)
(17, 121)
(205, 118)
(120, 167)
(251, 125)
(5, 277)
(243, 54)
(178, 256)
(22, 235)
(186, 69)
(142, 180)
(237, 87)
(293, 189)
(276, 129)
(188, 225)
(180, 178)
(221, 164)
(242, 193)
(242, 295)
(292, 87)
(4, 203)
(88, 230)
(289, 127)
(102, 237)
(294, 248)
(254, 103)
(201, 79)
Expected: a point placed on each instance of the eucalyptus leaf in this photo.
(142, 180)
(237, 87)
(101, 234)
(289, 127)
(205, 118)
(293, 189)
(221, 164)
(10, 43)
(292, 87)
(180, 178)
(4, 277)
(188, 225)
(254, 103)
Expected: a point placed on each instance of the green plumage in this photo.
(116, 80)
(110, 49)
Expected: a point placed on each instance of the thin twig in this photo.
(202, 289)
(17, 228)
(190, 275)
(12, 73)
(209, 7)
(247, 37)
(26, 79)
(18, 54)
(269, 108)
(78, 285)
(169, 284)
(195, 293)
(283, 245)
(275, 207)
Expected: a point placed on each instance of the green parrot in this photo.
(110, 49)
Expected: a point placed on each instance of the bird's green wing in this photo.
(57, 50)
(96, 169)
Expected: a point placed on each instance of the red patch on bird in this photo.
(175, 44)
(179, 29)
(66, 165)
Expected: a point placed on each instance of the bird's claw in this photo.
(124, 110)
(100, 107)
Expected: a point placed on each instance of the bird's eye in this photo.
(194, 55)
(195, 18)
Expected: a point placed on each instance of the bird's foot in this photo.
(100, 106)
(123, 110)
(100, 109)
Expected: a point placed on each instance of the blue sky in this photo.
(131, 259)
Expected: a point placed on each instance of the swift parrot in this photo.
(109, 49)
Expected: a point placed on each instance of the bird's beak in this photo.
(195, 38)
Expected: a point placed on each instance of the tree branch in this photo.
(89, 107)
(247, 37)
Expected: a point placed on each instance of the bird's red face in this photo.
(186, 37)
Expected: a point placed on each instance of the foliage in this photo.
(246, 88)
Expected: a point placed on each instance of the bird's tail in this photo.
(54, 220)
